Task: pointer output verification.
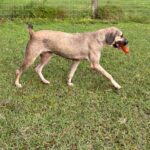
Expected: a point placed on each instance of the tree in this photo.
(94, 8)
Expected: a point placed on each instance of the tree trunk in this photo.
(94, 8)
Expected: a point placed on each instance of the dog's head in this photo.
(115, 38)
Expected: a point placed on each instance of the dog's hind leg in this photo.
(45, 57)
(73, 68)
(29, 59)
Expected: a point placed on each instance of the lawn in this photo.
(90, 115)
(138, 8)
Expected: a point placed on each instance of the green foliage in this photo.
(116, 13)
(137, 18)
(109, 12)
(38, 10)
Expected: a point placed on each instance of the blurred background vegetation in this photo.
(129, 10)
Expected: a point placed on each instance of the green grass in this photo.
(137, 10)
(91, 115)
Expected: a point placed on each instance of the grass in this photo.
(91, 115)
(77, 9)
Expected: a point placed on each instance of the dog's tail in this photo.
(30, 29)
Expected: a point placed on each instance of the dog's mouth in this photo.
(122, 45)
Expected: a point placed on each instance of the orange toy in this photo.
(124, 48)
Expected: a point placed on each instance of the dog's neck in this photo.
(101, 37)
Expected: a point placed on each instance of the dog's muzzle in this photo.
(118, 43)
(121, 45)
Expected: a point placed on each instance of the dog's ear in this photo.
(111, 34)
(110, 37)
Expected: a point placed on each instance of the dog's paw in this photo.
(70, 84)
(18, 85)
(46, 81)
(116, 85)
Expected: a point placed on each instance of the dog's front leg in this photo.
(94, 59)
(73, 68)
(100, 69)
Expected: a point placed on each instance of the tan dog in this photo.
(74, 46)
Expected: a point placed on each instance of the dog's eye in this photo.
(121, 36)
